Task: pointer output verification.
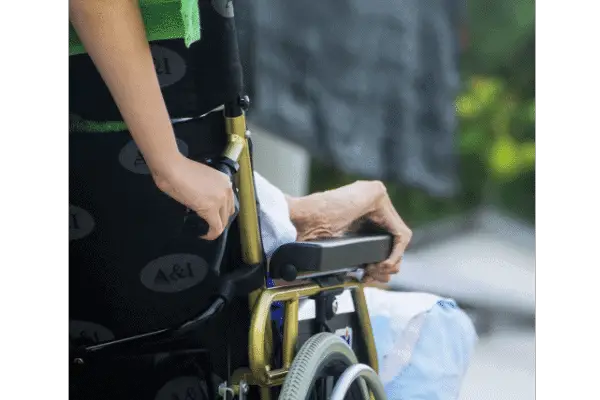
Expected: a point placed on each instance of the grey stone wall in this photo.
(367, 85)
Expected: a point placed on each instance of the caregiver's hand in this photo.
(199, 187)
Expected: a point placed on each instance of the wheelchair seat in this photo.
(327, 256)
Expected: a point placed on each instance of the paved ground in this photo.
(476, 267)
(503, 367)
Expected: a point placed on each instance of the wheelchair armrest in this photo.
(328, 256)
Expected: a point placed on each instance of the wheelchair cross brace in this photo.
(261, 372)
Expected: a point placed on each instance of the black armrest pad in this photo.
(326, 256)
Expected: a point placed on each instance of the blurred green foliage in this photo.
(502, 42)
(496, 109)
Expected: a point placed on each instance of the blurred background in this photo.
(437, 99)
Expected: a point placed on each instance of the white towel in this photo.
(276, 226)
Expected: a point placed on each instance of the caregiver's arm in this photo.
(113, 34)
(334, 212)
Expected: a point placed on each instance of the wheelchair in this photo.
(155, 312)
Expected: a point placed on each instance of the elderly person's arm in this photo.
(335, 212)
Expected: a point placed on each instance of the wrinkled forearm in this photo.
(332, 213)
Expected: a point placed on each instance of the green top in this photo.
(164, 19)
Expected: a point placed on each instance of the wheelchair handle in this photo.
(195, 225)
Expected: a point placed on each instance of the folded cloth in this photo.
(424, 344)
(276, 226)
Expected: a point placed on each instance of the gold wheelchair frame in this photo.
(260, 343)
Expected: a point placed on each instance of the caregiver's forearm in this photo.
(113, 34)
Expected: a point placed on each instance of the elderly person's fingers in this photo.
(389, 268)
(392, 264)
(372, 283)
(373, 272)
(383, 268)
(367, 279)
(381, 277)
(386, 216)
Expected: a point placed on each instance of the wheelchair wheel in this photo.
(353, 373)
(323, 356)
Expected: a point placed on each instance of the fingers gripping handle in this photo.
(197, 226)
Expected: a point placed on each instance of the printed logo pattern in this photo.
(89, 333)
(81, 223)
(174, 273)
(346, 334)
(223, 7)
(182, 388)
(131, 158)
(170, 66)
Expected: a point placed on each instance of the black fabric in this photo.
(122, 227)
(193, 81)
(188, 372)
(143, 378)
(133, 225)
(128, 253)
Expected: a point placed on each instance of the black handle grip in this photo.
(197, 226)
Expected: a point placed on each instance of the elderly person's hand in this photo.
(335, 212)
